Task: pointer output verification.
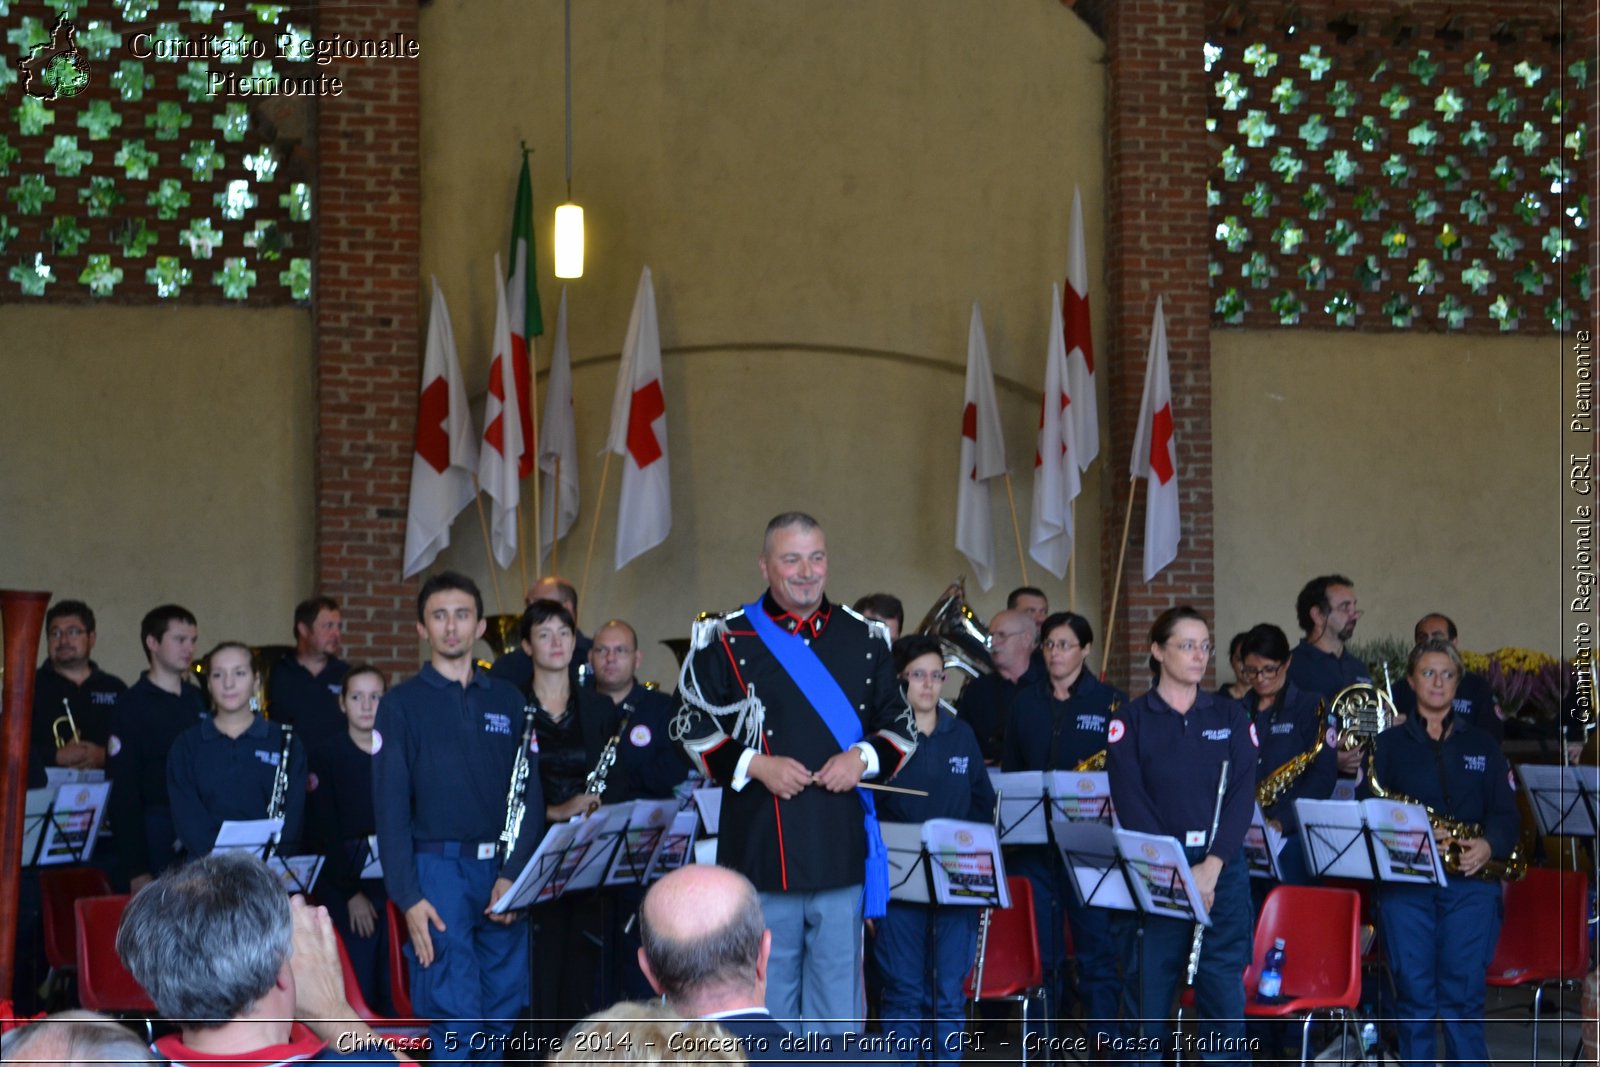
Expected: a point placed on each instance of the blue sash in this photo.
(822, 690)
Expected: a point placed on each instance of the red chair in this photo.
(1544, 939)
(1321, 929)
(59, 889)
(104, 984)
(408, 1032)
(1013, 969)
(399, 973)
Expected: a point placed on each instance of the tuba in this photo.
(963, 637)
(1510, 869)
(1362, 711)
(1272, 788)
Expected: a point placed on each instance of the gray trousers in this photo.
(814, 973)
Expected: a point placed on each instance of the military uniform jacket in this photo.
(815, 841)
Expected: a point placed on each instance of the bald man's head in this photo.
(551, 587)
(704, 941)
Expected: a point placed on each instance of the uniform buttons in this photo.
(741, 663)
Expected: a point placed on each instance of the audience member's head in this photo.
(81, 1038)
(886, 608)
(1031, 601)
(704, 942)
(647, 1032)
(210, 941)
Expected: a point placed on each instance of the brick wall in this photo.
(367, 335)
(1156, 173)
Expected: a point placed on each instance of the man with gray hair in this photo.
(229, 957)
(76, 1037)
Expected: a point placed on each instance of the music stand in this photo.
(677, 844)
(1371, 840)
(1262, 843)
(370, 864)
(1563, 803)
(60, 823)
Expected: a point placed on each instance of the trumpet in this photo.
(72, 737)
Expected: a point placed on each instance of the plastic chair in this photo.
(399, 972)
(1544, 938)
(1322, 965)
(406, 1032)
(59, 888)
(104, 984)
(1013, 968)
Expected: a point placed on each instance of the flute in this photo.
(1199, 928)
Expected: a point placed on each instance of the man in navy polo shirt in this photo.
(1327, 613)
(442, 760)
(69, 679)
(304, 690)
(1474, 702)
(148, 718)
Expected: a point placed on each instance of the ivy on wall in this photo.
(1427, 183)
(126, 179)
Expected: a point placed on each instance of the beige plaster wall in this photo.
(159, 454)
(800, 178)
(1427, 469)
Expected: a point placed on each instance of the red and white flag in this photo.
(447, 449)
(502, 434)
(1055, 471)
(639, 433)
(1080, 343)
(558, 440)
(983, 456)
(1155, 454)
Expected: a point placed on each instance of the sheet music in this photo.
(709, 801)
(967, 865)
(645, 830)
(57, 776)
(297, 873)
(1092, 866)
(246, 834)
(69, 833)
(536, 883)
(1262, 843)
(1162, 879)
(676, 844)
(35, 813)
(1408, 853)
(373, 868)
(1562, 803)
(908, 880)
(1331, 834)
(705, 851)
(597, 835)
(1022, 810)
(1082, 796)
(1344, 789)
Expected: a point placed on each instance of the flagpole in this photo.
(488, 549)
(1072, 563)
(1016, 530)
(555, 517)
(599, 501)
(1116, 585)
(533, 403)
(522, 543)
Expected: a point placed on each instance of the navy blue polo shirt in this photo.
(339, 815)
(308, 702)
(442, 770)
(91, 703)
(1474, 703)
(1286, 729)
(1163, 769)
(948, 766)
(985, 705)
(1315, 671)
(1464, 775)
(144, 724)
(213, 778)
(1046, 734)
(648, 764)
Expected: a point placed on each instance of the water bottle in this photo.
(1369, 1038)
(1271, 983)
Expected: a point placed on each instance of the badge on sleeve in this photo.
(639, 736)
(1511, 780)
(1254, 740)
(533, 742)
(312, 781)
(1332, 738)
(114, 745)
(1115, 732)
(377, 742)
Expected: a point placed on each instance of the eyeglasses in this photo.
(1186, 647)
(57, 632)
(608, 651)
(1060, 646)
(1269, 672)
(997, 636)
(925, 676)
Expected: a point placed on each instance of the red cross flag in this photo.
(1055, 471)
(502, 434)
(1155, 454)
(983, 456)
(447, 450)
(558, 440)
(1080, 343)
(639, 433)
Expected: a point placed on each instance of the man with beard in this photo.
(1327, 613)
(305, 686)
(69, 681)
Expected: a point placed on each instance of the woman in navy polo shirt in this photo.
(924, 951)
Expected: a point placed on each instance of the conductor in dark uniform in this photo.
(789, 703)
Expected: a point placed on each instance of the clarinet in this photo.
(280, 790)
(595, 783)
(517, 794)
(1199, 929)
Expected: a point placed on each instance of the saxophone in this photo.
(1510, 869)
(1274, 786)
(278, 804)
(517, 794)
